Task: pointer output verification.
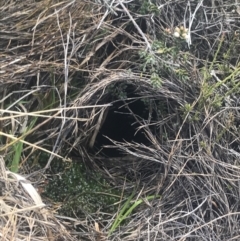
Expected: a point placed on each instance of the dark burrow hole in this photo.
(130, 111)
(120, 124)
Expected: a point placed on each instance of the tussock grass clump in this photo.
(155, 82)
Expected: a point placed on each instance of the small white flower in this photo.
(184, 35)
(177, 29)
(176, 34)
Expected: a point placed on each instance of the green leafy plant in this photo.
(155, 62)
(156, 80)
(149, 8)
(182, 74)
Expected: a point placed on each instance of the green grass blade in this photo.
(119, 216)
(124, 213)
(18, 147)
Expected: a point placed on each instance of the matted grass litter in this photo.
(23, 215)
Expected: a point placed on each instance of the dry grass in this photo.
(59, 62)
(23, 214)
